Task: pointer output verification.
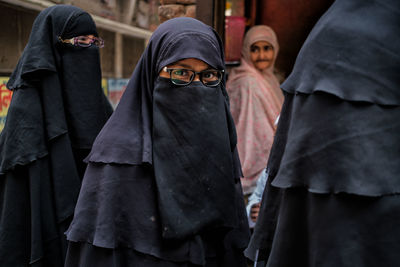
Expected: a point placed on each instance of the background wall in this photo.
(169, 9)
(292, 21)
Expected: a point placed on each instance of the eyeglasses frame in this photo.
(200, 73)
(74, 41)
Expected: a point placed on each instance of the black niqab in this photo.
(65, 97)
(190, 144)
(54, 116)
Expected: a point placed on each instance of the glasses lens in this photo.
(181, 76)
(97, 41)
(83, 41)
(211, 77)
(86, 41)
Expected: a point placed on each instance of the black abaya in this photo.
(162, 186)
(54, 115)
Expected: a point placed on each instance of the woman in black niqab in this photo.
(57, 109)
(162, 187)
(333, 191)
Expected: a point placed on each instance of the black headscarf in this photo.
(57, 109)
(70, 78)
(186, 133)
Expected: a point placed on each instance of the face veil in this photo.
(191, 157)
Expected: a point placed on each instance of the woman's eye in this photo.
(83, 38)
(209, 75)
(254, 49)
(268, 47)
(181, 73)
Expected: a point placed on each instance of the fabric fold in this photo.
(116, 225)
(345, 58)
(338, 227)
(352, 137)
(53, 118)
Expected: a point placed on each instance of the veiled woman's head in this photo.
(260, 48)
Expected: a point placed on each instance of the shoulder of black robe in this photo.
(69, 104)
(347, 70)
(352, 52)
(124, 149)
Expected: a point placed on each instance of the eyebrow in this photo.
(256, 48)
(269, 45)
(183, 65)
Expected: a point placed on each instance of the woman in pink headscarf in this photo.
(256, 101)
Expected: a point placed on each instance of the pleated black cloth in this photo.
(332, 197)
(162, 186)
(57, 109)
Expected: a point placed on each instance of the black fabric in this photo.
(332, 196)
(160, 176)
(323, 146)
(50, 126)
(324, 208)
(352, 52)
(120, 211)
(28, 143)
(190, 133)
(62, 98)
(326, 230)
(83, 97)
(78, 24)
(83, 254)
(29, 234)
(40, 54)
(171, 42)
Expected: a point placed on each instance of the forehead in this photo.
(261, 44)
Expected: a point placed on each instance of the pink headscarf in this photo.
(256, 100)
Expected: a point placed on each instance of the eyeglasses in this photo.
(182, 77)
(84, 41)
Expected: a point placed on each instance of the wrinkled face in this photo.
(262, 54)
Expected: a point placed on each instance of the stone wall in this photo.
(169, 9)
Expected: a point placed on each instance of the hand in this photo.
(255, 209)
